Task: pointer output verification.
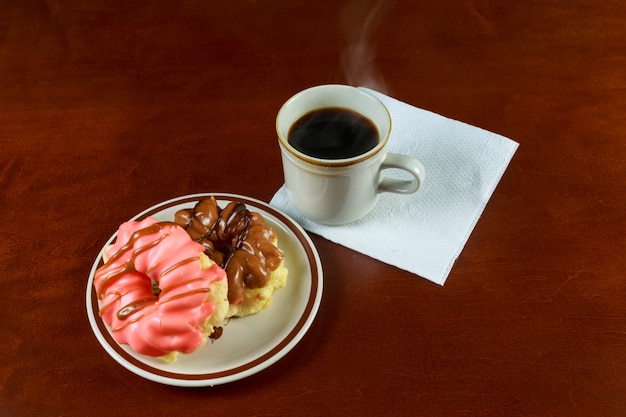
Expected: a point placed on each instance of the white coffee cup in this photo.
(338, 191)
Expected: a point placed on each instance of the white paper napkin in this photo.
(424, 232)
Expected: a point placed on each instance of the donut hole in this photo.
(156, 291)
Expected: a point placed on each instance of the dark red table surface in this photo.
(108, 107)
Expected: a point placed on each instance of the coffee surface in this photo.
(333, 133)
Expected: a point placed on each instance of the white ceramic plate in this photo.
(249, 344)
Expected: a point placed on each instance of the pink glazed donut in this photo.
(180, 314)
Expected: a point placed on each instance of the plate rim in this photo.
(251, 367)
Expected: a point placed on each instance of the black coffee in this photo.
(333, 133)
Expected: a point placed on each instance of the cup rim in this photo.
(335, 162)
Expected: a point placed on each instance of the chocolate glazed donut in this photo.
(236, 239)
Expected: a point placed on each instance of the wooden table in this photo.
(108, 107)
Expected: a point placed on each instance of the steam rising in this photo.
(360, 19)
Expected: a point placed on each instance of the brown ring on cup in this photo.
(334, 162)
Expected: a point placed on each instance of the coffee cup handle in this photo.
(401, 186)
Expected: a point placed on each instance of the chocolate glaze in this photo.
(236, 239)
